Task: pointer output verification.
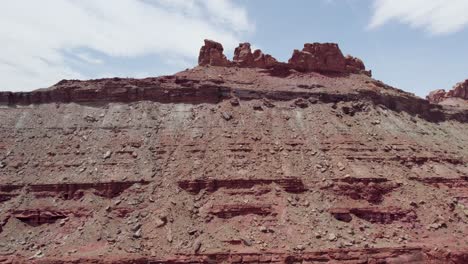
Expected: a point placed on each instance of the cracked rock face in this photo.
(244, 161)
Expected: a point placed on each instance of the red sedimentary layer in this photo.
(292, 185)
(461, 182)
(69, 190)
(403, 255)
(370, 189)
(36, 217)
(375, 214)
(233, 210)
(171, 89)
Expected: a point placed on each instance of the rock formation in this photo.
(318, 57)
(212, 54)
(458, 94)
(243, 161)
(314, 57)
(243, 57)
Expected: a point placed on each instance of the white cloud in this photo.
(36, 35)
(435, 16)
(88, 58)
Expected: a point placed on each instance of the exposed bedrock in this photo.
(461, 182)
(292, 185)
(36, 217)
(232, 210)
(375, 215)
(69, 190)
(372, 190)
(189, 91)
(402, 255)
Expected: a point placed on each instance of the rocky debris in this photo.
(137, 233)
(257, 106)
(247, 242)
(437, 225)
(459, 91)
(212, 54)
(160, 221)
(38, 254)
(267, 103)
(227, 116)
(196, 246)
(301, 102)
(234, 101)
(107, 155)
(90, 119)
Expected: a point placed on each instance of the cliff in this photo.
(248, 160)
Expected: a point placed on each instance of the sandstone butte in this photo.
(243, 161)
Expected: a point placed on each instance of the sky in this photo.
(415, 45)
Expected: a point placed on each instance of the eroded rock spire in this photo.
(314, 57)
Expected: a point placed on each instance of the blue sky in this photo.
(415, 45)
